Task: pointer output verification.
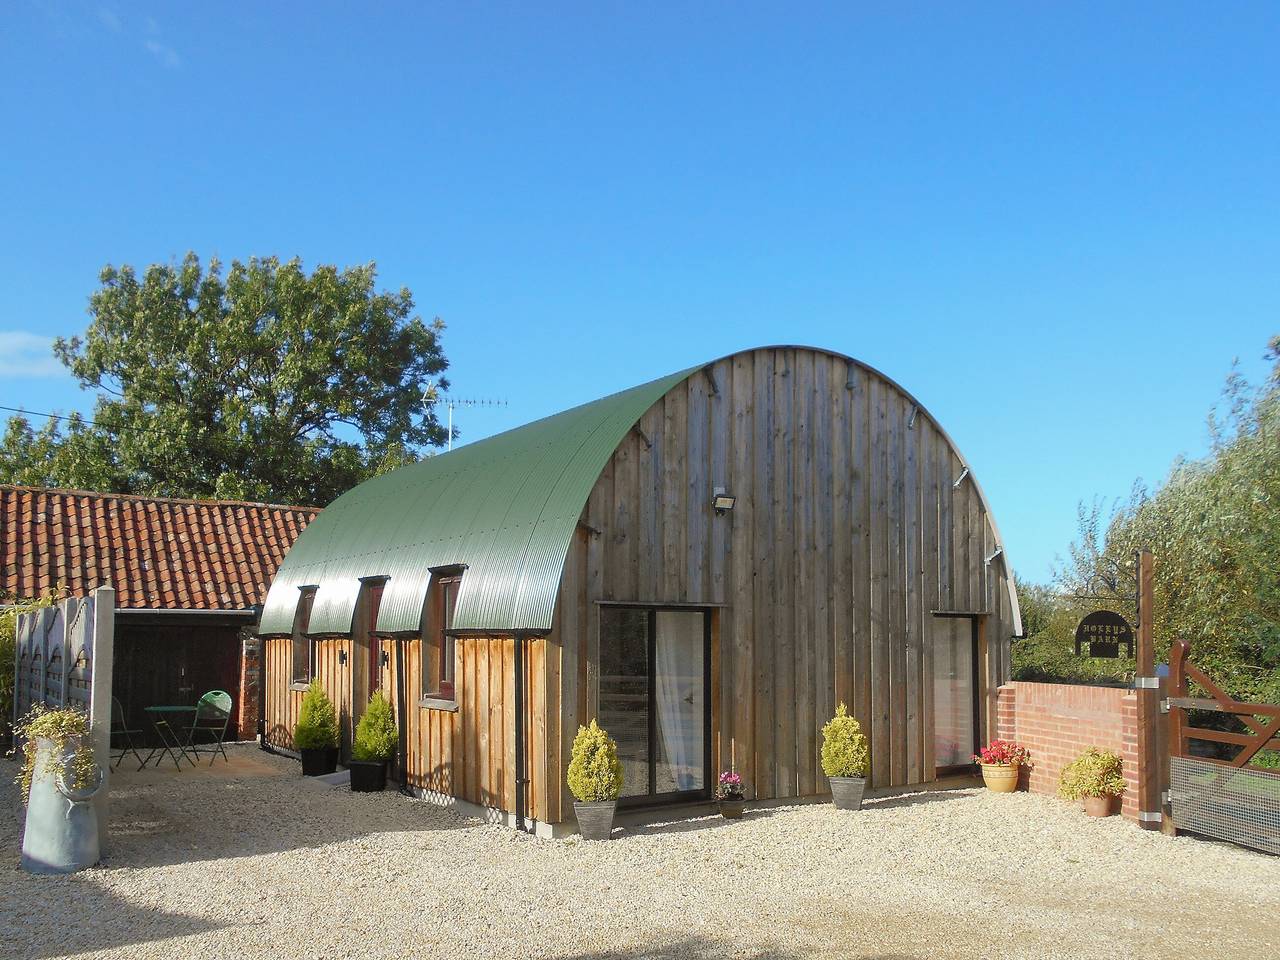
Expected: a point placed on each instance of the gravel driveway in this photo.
(256, 862)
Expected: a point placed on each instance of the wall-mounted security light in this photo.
(721, 502)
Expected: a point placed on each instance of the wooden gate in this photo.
(1213, 791)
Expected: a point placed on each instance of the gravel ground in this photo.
(256, 862)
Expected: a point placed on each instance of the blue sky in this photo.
(1057, 227)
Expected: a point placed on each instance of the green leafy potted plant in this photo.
(59, 778)
(844, 759)
(1001, 761)
(730, 795)
(316, 733)
(1094, 777)
(595, 780)
(375, 743)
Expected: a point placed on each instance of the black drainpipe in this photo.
(262, 678)
(402, 717)
(521, 780)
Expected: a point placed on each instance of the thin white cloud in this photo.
(164, 53)
(110, 19)
(29, 355)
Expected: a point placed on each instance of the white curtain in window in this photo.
(679, 695)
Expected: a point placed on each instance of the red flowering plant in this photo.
(1004, 753)
(730, 786)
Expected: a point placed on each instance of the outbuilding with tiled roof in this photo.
(189, 578)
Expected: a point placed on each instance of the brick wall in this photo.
(1057, 721)
(250, 680)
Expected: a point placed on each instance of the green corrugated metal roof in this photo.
(506, 507)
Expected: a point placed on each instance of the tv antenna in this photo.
(431, 398)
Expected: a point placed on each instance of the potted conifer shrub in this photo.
(844, 759)
(595, 780)
(1094, 778)
(316, 733)
(375, 743)
(1001, 762)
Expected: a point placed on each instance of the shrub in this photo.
(13, 606)
(376, 734)
(730, 786)
(1095, 773)
(595, 772)
(1004, 753)
(64, 728)
(317, 727)
(844, 748)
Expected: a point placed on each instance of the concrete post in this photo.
(102, 664)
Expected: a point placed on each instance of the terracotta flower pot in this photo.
(1000, 777)
(1097, 806)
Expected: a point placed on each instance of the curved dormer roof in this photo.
(505, 508)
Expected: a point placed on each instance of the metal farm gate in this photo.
(1213, 791)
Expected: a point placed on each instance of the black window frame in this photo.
(652, 797)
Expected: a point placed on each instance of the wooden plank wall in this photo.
(468, 753)
(849, 530)
(282, 702)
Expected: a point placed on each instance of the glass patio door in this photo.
(955, 692)
(654, 682)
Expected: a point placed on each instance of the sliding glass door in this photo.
(955, 693)
(655, 666)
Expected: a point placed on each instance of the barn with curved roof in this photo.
(708, 563)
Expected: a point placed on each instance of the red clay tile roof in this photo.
(157, 553)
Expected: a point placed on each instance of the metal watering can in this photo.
(61, 834)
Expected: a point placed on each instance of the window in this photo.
(439, 647)
(304, 648)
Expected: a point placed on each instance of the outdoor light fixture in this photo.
(721, 501)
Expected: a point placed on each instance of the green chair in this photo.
(213, 714)
(120, 728)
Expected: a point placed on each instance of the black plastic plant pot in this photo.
(368, 776)
(319, 761)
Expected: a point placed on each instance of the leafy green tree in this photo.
(1214, 527)
(266, 383)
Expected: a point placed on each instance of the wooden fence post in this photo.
(1147, 690)
(1175, 736)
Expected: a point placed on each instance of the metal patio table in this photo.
(170, 736)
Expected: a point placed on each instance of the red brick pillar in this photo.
(250, 681)
(1129, 760)
(1006, 718)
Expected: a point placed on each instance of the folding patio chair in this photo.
(213, 714)
(119, 728)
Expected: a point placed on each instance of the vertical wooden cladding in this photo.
(470, 752)
(283, 699)
(848, 532)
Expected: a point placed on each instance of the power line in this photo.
(51, 416)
